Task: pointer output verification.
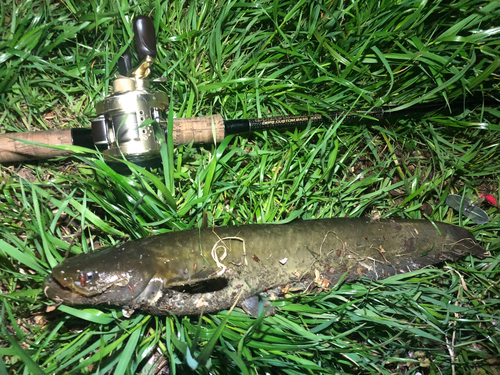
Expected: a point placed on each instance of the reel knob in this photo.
(145, 37)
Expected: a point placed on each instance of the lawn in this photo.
(247, 60)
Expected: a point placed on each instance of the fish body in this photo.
(204, 270)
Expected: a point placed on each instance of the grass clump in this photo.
(256, 59)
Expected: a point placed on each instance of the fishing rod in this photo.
(124, 122)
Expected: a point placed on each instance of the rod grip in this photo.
(13, 151)
(198, 129)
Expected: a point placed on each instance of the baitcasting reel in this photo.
(121, 127)
(124, 126)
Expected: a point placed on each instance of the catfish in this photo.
(206, 270)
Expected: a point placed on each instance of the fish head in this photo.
(112, 275)
(88, 280)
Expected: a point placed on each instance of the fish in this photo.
(211, 269)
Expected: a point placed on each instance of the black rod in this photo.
(378, 113)
(82, 137)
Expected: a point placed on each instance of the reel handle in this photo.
(125, 63)
(145, 37)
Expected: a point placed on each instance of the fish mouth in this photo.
(60, 293)
(76, 286)
(115, 294)
(55, 291)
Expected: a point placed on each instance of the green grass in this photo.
(256, 59)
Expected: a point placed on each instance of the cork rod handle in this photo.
(207, 129)
(13, 151)
(198, 129)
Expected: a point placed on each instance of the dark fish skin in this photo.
(180, 272)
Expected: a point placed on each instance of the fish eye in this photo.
(86, 277)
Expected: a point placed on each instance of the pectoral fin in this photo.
(151, 294)
(206, 274)
(251, 306)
